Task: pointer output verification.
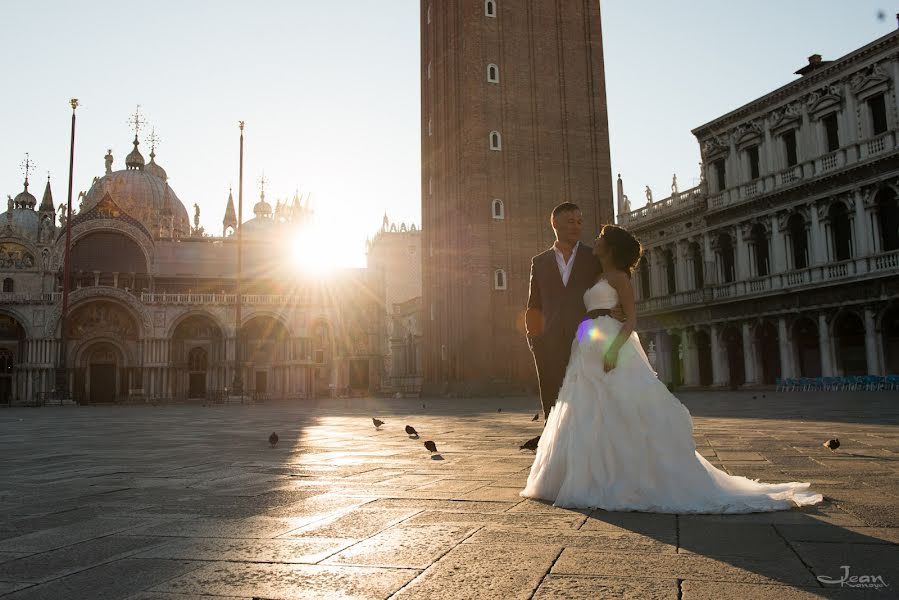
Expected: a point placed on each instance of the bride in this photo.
(616, 438)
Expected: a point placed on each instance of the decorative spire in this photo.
(25, 199)
(230, 219)
(47, 200)
(152, 167)
(135, 160)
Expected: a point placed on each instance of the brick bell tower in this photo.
(514, 121)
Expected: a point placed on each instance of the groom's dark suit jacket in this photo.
(554, 313)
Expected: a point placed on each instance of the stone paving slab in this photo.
(185, 502)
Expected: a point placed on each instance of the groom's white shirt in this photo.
(565, 267)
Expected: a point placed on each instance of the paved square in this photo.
(178, 502)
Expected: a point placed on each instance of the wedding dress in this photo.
(621, 441)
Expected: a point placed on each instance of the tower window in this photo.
(878, 109)
(496, 141)
(499, 211)
(831, 132)
(789, 139)
(429, 13)
(492, 73)
(752, 154)
(430, 127)
(429, 69)
(499, 279)
(720, 174)
(8, 285)
(490, 8)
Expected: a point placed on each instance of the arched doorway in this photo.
(262, 341)
(759, 239)
(849, 343)
(768, 351)
(806, 347)
(840, 231)
(798, 241)
(197, 366)
(704, 355)
(12, 334)
(198, 354)
(101, 330)
(889, 326)
(888, 216)
(732, 341)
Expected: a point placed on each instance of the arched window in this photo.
(670, 277)
(726, 256)
(6, 361)
(8, 285)
(499, 279)
(499, 211)
(496, 141)
(492, 73)
(197, 359)
(645, 285)
(430, 127)
(698, 271)
(798, 240)
(888, 216)
(490, 8)
(840, 231)
(760, 247)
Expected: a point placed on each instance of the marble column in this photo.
(871, 353)
(719, 377)
(748, 355)
(742, 251)
(824, 347)
(691, 358)
(779, 263)
(861, 234)
(786, 362)
(817, 242)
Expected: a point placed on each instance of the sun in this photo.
(308, 252)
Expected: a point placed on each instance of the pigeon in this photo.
(422, 405)
(273, 439)
(411, 430)
(832, 444)
(377, 422)
(431, 446)
(537, 416)
(531, 444)
(499, 410)
(754, 397)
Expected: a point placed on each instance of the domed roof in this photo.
(25, 222)
(141, 194)
(154, 169)
(262, 208)
(134, 160)
(25, 199)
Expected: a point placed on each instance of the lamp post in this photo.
(237, 383)
(62, 381)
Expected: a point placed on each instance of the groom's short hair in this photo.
(565, 207)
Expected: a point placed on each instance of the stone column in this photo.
(748, 355)
(871, 354)
(824, 347)
(680, 267)
(709, 272)
(742, 257)
(779, 264)
(691, 358)
(818, 256)
(861, 231)
(719, 377)
(786, 362)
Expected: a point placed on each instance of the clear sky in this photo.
(330, 92)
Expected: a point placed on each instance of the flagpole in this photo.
(62, 380)
(237, 384)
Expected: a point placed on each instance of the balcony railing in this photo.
(674, 203)
(26, 298)
(246, 299)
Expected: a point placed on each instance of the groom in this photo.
(559, 278)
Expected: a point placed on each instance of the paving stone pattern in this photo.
(189, 501)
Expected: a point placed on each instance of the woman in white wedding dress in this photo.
(617, 439)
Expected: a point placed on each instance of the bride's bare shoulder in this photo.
(617, 278)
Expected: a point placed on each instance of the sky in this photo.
(330, 93)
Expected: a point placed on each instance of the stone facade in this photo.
(514, 121)
(153, 302)
(784, 261)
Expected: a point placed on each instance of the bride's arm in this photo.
(622, 284)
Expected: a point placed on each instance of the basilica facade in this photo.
(153, 307)
(784, 261)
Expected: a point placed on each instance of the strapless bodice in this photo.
(601, 295)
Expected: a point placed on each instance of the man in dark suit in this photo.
(559, 278)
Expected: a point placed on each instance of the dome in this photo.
(25, 199)
(25, 222)
(154, 169)
(262, 208)
(140, 194)
(260, 227)
(134, 160)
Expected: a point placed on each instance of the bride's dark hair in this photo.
(626, 249)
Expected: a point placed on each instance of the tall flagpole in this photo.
(238, 379)
(62, 380)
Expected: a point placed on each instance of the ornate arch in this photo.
(129, 302)
(88, 342)
(24, 323)
(279, 317)
(196, 312)
(135, 234)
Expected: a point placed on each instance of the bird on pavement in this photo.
(531, 444)
(431, 446)
(832, 444)
(411, 431)
(499, 410)
(537, 416)
(273, 439)
(377, 422)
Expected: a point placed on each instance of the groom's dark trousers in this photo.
(554, 313)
